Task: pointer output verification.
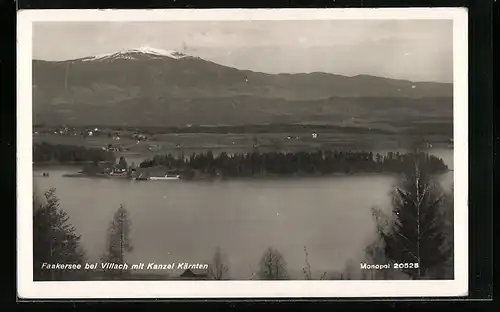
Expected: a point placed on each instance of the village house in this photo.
(117, 170)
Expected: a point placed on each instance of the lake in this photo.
(184, 221)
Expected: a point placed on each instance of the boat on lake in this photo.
(156, 173)
(166, 177)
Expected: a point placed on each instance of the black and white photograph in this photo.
(218, 150)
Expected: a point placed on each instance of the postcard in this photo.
(242, 153)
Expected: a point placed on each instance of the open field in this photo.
(188, 143)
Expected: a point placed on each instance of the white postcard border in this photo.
(28, 289)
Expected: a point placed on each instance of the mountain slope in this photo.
(148, 85)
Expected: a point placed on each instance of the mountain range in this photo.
(154, 87)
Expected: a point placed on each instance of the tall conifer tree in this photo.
(118, 241)
(54, 240)
(415, 236)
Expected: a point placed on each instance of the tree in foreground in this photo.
(446, 270)
(218, 269)
(118, 242)
(415, 236)
(272, 266)
(54, 240)
(307, 270)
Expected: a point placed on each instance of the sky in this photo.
(416, 50)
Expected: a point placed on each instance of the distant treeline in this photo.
(274, 128)
(45, 152)
(407, 127)
(318, 162)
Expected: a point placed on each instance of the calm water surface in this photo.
(184, 221)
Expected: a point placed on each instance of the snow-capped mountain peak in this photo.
(160, 52)
(143, 52)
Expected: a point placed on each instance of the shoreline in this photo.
(245, 178)
(62, 164)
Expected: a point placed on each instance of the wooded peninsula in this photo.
(320, 162)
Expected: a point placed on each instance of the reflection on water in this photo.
(184, 221)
